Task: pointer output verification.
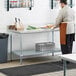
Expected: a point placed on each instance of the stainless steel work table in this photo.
(31, 53)
(67, 57)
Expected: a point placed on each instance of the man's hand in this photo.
(53, 27)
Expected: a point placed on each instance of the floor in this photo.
(36, 61)
(60, 73)
(28, 61)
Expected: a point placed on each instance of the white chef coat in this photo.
(67, 15)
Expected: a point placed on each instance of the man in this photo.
(66, 15)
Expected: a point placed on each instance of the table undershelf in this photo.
(33, 52)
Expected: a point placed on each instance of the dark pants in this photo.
(67, 49)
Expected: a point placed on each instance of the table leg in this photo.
(20, 59)
(10, 47)
(52, 41)
(21, 48)
(64, 67)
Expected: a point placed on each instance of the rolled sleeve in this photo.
(59, 19)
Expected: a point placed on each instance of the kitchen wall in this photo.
(41, 14)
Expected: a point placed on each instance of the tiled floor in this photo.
(28, 61)
(36, 61)
(1, 74)
(59, 73)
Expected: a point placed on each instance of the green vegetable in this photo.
(28, 28)
(32, 27)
